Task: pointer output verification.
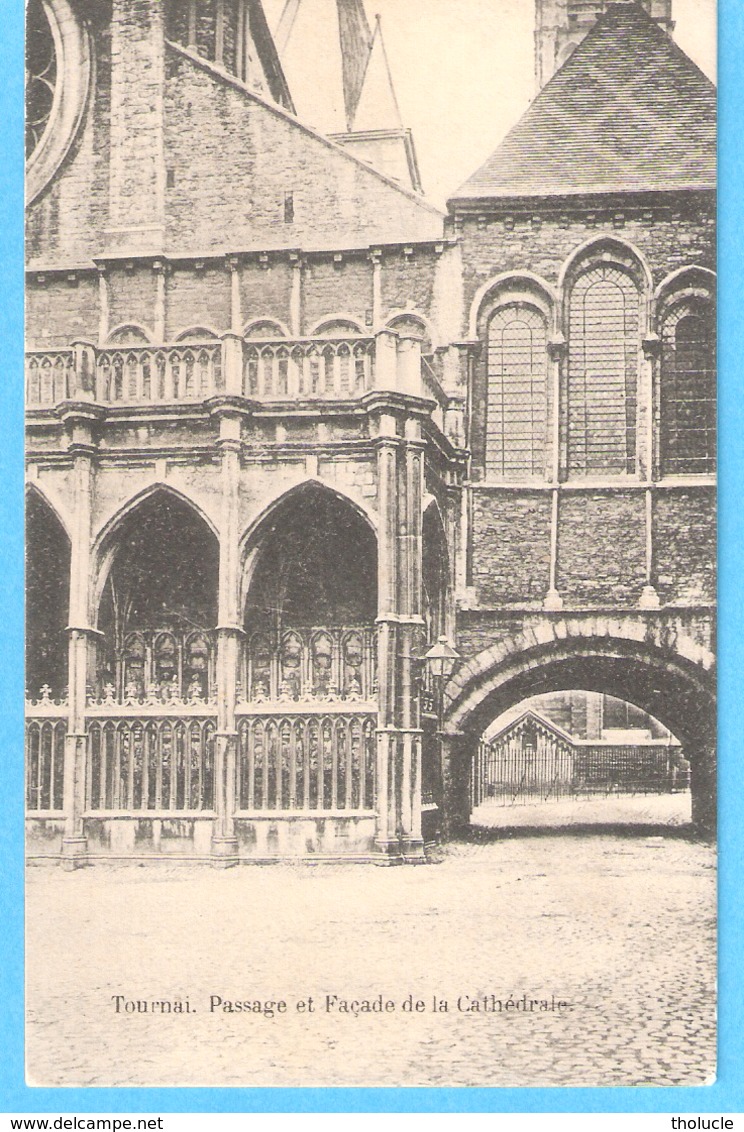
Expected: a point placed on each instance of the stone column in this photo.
(411, 637)
(648, 456)
(236, 314)
(386, 361)
(375, 256)
(79, 419)
(103, 304)
(229, 631)
(160, 313)
(295, 299)
(388, 819)
(409, 365)
(456, 759)
(557, 352)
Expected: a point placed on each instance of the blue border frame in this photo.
(727, 1094)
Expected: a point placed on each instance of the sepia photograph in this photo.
(370, 407)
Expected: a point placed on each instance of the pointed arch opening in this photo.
(311, 600)
(47, 599)
(157, 611)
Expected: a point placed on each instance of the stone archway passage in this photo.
(654, 676)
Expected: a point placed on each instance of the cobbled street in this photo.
(621, 928)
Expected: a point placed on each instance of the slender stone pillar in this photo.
(229, 634)
(557, 351)
(79, 419)
(386, 360)
(388, 748)
(648, 455)
(295, 299)
(456, 759)
(411, 637)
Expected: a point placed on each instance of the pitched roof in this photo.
(534, 717)
(628, 111)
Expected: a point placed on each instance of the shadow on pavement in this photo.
(483, 833)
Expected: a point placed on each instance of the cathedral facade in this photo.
(321, 480)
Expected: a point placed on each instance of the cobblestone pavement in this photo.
(612, 809)
(621, 928)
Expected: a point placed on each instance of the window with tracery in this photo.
(688, 390)
(517, 396)
(603, 356)
(41, 74)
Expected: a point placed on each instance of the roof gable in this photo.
(534, 719)
(628, 111)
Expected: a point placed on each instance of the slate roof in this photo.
(627, 112)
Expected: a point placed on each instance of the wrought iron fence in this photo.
(150, 764)
(549, 769)
(307, 762)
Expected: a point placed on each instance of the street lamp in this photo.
(441, 659)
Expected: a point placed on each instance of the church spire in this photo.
(376, 106)
(349, 94)
(356, 47)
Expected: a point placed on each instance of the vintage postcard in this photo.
(370, 391)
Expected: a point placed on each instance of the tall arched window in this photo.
(688, 390)
(517, 397)
(603, 355)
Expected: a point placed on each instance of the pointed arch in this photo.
(250, 535)
(253, 539)
(34, 489)
(436, 575)
(104, 543)
(692, 278)
(48, 563)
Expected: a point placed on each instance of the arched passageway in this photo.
(47, 599)
(674, 690)
(579, 758)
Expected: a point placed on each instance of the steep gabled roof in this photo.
(534, 718)
(627, 112)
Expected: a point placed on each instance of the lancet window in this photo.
(603, 360)
(517, 400)
(688, 389)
